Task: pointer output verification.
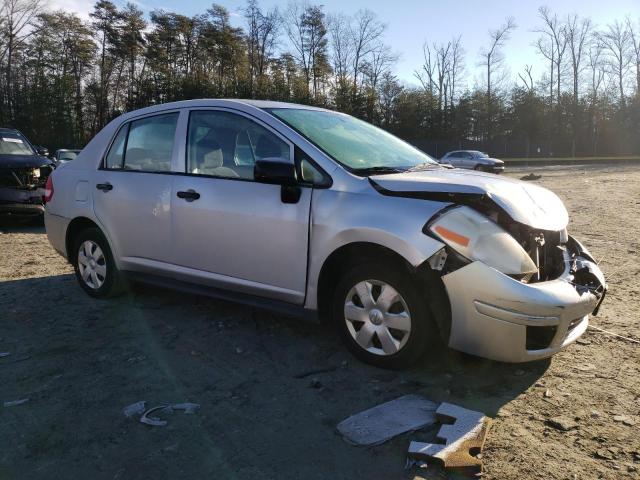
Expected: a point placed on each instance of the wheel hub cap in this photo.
(377, 317)
(92, 264)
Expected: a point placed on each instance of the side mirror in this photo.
(42, 151)
(277, 171)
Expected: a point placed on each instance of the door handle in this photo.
(105, 187)
(190, 195)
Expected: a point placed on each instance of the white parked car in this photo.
(310, 211)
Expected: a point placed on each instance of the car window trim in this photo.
(127, 124)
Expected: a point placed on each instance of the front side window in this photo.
(355, 144)
(224, 144)
(144, 145)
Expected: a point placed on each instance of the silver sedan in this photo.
(474, 160)
(313, 212)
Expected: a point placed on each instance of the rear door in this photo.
(132, 191)
(229, 230)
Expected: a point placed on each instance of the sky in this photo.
(412, 22)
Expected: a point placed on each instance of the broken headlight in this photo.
(478, 238)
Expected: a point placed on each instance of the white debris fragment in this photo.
(385, 421)
(187, 408)
(137, 408)
(153, 421)
(4, 354)
(15, 403)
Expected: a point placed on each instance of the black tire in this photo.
(112, 283)
(422, 332)
(478, 168)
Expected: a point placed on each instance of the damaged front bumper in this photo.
(498, 317)
(21, 202)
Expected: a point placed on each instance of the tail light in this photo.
(48, 190)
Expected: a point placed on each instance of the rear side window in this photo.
(115, 155)
(144, 145)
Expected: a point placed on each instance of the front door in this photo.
(229, 230)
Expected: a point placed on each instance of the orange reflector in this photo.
(453, 236)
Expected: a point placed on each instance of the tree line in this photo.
(62, 78)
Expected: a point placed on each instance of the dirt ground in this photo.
(79, 362)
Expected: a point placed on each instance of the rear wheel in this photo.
(381, 316)
(95, 269)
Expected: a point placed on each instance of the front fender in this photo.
(343, 218)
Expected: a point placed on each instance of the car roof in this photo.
(219, 102)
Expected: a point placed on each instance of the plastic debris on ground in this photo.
(464, 433)
(137, 408)
(15, 403)
(147, 417)
(385, 421)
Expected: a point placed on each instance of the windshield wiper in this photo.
(379, 169)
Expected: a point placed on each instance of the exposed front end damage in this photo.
(496, 316)
(22, 188)
(519, 287)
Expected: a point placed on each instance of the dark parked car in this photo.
(23, 175)
(473, 160)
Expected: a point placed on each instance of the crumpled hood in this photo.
(524, 202)
(23, 161)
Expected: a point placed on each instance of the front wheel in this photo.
(381, 316)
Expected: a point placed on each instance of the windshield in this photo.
(480, 155)
(357, 145)
(14, 144)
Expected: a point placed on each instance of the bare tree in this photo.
(577, 34)
(635, 44)
(557, 34)
(366, 32)
(17, 25)
(616, 40)
(493, 60)
(456, 70)
(427, 72)
(341, 47)
(262, 36)
(527, 78)
(545, 48)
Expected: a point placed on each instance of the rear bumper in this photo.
(497, 317)
(56, 227)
